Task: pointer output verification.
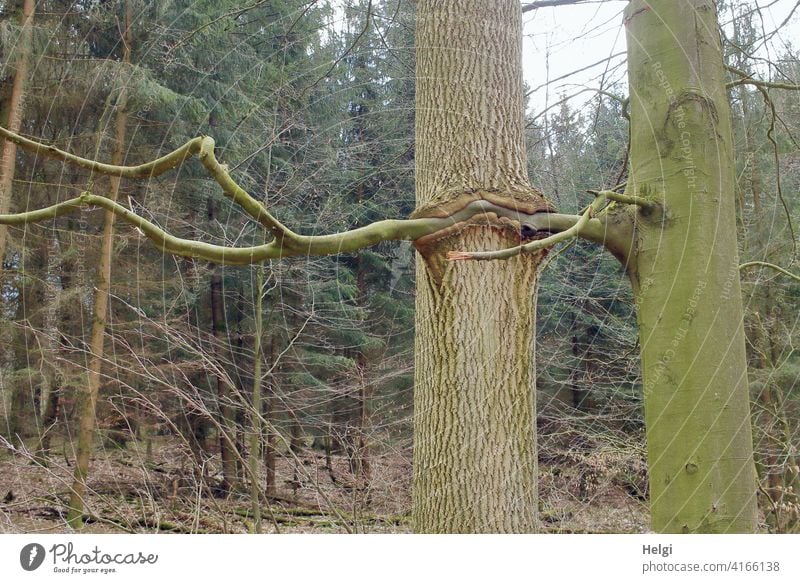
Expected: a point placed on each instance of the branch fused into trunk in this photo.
(286, 243)
(534, 246)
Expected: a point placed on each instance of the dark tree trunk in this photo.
(227, 432)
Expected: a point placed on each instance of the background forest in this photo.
(311, 105)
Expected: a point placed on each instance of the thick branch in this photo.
(288, 243)
(574, 231)
(204, 146)
(298, 245)
(154, 168)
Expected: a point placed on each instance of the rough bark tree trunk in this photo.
(474, 450)
(684, 271)
(15, 108)
(88, 397)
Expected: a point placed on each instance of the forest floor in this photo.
(135, 491)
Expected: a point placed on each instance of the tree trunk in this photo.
(685, 272)
(474, 451)
(15, 108)
(227, 432)
(51, 388)
(269, 417)
(360, 464)
(88, 397)
(254, 454)
(27, 384)
(295, 449)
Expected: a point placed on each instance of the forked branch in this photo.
(534, 246)
(624, 198)
(298, 245)
(202, 146)
(286, 243)
(746, 78)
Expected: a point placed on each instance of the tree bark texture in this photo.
(475, 427)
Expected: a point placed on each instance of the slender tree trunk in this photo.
(269, 416)
(295, 447)
(65, 324)
(762, 302)
(88, 397)
(50, 417)
(766, 398)
(26, 388)
(359, 462)
(777, 461)
(361, 465)
(239, 376)
(255, 416)
(227, 433)
(685, 272)
(581, 382)
(474, 430)
(15, 108)
(54, 377)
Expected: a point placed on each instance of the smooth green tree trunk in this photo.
(684, 269)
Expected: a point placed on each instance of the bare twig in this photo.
(747, 79)
(623, 101)
(346, 52)
(771, 266)
(575, 72)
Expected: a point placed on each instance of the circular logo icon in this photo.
(31, 556)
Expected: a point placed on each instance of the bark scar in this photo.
(433, 248)
(629, 18)
(502, 209)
